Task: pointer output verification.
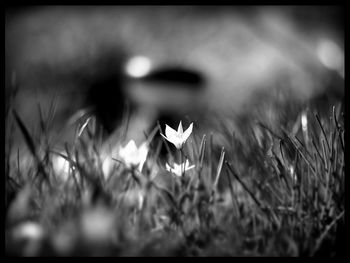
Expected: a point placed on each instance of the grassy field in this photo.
(274, 191)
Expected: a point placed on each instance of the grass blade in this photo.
(218, 172)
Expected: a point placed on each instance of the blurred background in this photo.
(251, 78)
(168, 62)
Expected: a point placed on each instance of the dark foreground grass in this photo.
(273, 192)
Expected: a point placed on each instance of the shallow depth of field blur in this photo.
(262, 89)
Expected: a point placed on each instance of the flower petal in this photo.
(131, 146)
(164, 136)
(133, 156)
(178, 169)
(141, 165)
(177, 166)
(167, 167)
(122, 152)
(170, 133)
(178, 144)
(188, 132)
(180, 129)
(143, 150)
(190, 167)
(169, 140)
(125, 151)
(174, 140)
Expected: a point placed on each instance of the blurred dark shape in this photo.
(106, 97)
(105, 93)
(186, 79)
(176, 75)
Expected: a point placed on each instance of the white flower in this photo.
(179, 137)
(178, 169)
(61, 166)
(133, 156)
(29, 230)
(292, 173)
(304, 121)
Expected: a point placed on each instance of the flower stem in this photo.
(182, 165)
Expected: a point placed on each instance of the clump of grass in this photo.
(268, 194)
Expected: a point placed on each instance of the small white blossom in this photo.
(61, 166)
(133, 156)
(304, 121)
(292, 173)
(29, 230)
(179, 137)
(178, 169)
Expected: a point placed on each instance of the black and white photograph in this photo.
(174, 131)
